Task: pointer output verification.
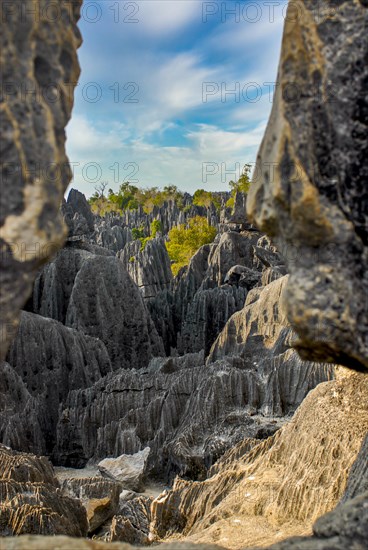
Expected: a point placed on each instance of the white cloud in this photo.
(183, 166)
(162, 17)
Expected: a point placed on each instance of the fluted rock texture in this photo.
(192, 312)
(281, 485)
(52, 360)
(149, 268)
(188, 413)
(106, 304)
(19, 414)
(309, 189)
(347, 525)
(77, 214)
(39, 57)
(93, 293)
(133, 522)
(31, 501)
(99, 496)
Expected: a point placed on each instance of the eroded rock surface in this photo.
(149, 268)
(188, 413)
(280, 486)
(31, 501)
(35, 170)
(99, 496)
(309, 190)
(127, 469)
(52, 360)
(106, 304)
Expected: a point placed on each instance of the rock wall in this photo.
(309, 189)
(281, 486)
(42, 58)
(51, 360)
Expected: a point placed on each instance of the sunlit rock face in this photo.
(41, 57)
(310, 184)
(31, 500)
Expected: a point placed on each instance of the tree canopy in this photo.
(184, 241)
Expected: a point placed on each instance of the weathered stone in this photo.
(193, 312)
(52, 360)
(35, 170)
(133, 522)
(306, 462)
(358, 476)
(80, 211)
(206, 316)
(30, 499)
(127, 469)
(314, 202)
(99, 496)
(149, 268)
(19, 414)
(112, 237)
(106, 304)
(189, 414)
(23, 468)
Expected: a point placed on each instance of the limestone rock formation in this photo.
(253, 499)
(195, 309)
(149, 268)
(112, 236)
(19, 419)
(54, 284)
(206, 315)
(132, 525)
(30, 499)
(77, 214)
(347, 525)
(99, 496)
(35, 170)
(106, 304)
(127, 469)
(309, 191)
(69, 290)
(52, 360)
(187, 413)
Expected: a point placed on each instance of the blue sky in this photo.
(154, 102)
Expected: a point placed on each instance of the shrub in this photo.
(156, 227)
(185, 241)
(205, 198)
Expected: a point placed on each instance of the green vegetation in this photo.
(131, 197)
(205, 198)
(156, 227)
(184, 241)
(139, 233)
(241, 186)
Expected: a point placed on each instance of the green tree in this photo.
(156, 227)
(240, 186)
(205, 198)
(184, 241)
